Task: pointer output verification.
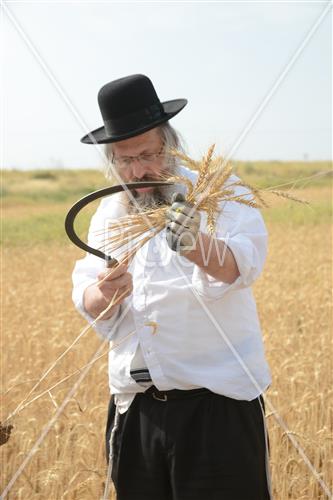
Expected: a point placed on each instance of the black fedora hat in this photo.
(129, 107)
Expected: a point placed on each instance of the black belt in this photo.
(173, 394)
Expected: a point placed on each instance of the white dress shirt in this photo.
(208, 332)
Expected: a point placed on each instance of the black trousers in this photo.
(202, 446)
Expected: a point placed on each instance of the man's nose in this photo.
(137, 169)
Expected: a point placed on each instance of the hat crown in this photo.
(126, 95)
(129, 107)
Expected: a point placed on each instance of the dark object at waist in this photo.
(173, 394)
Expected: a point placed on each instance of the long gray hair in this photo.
(171, 138)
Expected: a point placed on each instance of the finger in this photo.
(186, 208)
(109, 274)
(119, 294)
(180, 218)
(179, 215)
(178, 230)
(115, 283)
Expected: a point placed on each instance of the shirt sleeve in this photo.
(87, 269)
(243, 230)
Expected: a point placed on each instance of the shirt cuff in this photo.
(103, 327)
(249, 263)
(211, 288)
(246, 253)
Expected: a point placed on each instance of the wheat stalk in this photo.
(195, 165)
(287, 195)
(204, 170)
(180, 179)
(114, 301)
(254, 190)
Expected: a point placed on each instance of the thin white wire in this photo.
(260, 389)
(60, 90)
(111, 453)
(54, 418)
(54, 364)
(245, 130)
(47, 428)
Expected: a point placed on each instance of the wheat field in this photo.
(293, 294)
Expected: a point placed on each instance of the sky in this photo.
(257, 75)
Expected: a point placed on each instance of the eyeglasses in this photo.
(145, 159)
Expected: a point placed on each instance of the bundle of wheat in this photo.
(212, 187)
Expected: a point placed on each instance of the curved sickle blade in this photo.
(72, 213)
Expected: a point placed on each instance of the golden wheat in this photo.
(294, 303)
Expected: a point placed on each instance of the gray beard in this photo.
(148, 201)
(160, 196)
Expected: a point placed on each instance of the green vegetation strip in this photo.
(35, 203)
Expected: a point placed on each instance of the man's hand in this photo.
(182, 228)
(99, 295)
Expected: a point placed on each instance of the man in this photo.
(186, 408)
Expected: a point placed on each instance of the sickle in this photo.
(72, 213)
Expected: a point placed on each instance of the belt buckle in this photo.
(160, 398)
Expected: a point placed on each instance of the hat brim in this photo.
(99, 136)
